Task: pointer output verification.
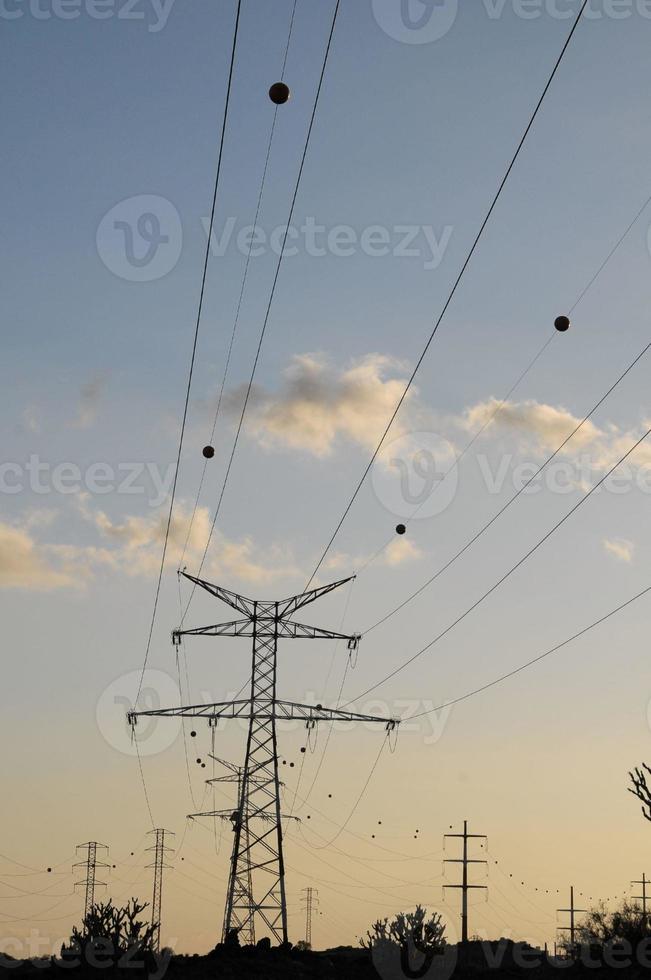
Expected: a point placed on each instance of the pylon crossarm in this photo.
(264, 709)
(236, 627)
(246, 627)
(296, 602)
(239, 602)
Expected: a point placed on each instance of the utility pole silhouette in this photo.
(465, 886)
(160, 849)
(573, 912)
(258, 845)
(643, 897)
(311, 901)
(91, 864)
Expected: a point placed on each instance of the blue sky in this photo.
(97, 112)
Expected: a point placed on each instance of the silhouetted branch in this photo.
(641, 788)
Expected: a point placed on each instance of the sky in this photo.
(114, 120)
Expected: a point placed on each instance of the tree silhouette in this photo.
(641, 788)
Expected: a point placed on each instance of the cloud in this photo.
(620, 548)
(138, 541)
(543, 427)
(28, 564)
(397, 552)
(90, 396)
(319, 405)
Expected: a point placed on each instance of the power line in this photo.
(507, 575)
(271, 295)
(194, 347)
(542, 656)
(453, 290)
(515, 496)
(516, 384)
(238, 309)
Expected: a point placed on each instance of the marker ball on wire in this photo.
(562, 323)
(279, 93)
(401, 529)
(208, 452)
(193, 734)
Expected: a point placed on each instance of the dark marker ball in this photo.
(401, 529)
(203, 765)
(208, 452)
(49, 871)
(291, 765)
(562, 323)
(193, 734)
(329, 796)
(303, 750)
(198, 762)
(279, 93)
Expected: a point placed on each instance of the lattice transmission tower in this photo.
(160, 849)
(258, 844)
(91, 864)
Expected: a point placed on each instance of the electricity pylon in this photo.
(572, 926)
(91, 864)
(243, 890)
(465, 886)
(160, 849)
(258, 845)
(311, 901)
(643, 897)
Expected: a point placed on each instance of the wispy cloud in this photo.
(29, 564)
(542, 427)
(319, 404)
(620, 548)
(90, 396)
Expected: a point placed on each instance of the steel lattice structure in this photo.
(256, 885)
(160, 849)
(91, 864)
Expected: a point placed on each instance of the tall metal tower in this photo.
(465, 886)
(160, 849)
(258, 844)
(643, 897)
(311, 901)
(572, 926)
(91, 864)
(244, 884)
